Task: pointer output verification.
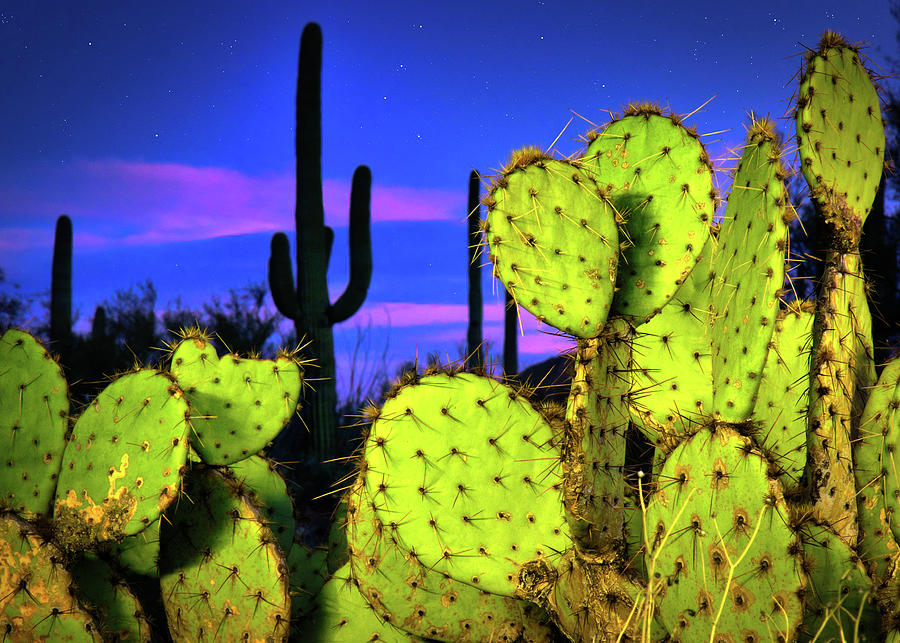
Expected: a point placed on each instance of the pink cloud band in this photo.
(139, 203)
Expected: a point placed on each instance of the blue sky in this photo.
(166, 131)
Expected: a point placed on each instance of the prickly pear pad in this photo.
(748, 267)
(718, 534)
(553, 242)
(838, 601)
(261, 481)
(242, 403)
(466, 469)
(404, 592)
(122, 465)
(875, 470)
(119, 614)
(37, 600)
(308, 575)
(34, 409)
(782, 402)
(840, 134)
(671, 362)
(139, 554)
(343, 616)
(222, 573)
(659, 177)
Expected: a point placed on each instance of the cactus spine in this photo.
(308, 304)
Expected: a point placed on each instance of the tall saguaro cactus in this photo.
(308, 303)
(61, 285)
(474, 338)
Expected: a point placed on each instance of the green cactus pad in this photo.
(405, 593)
(876, 473)
(553, 242)
(748, 272)
(782, 402)
(597, 417)
(34, 409)
(719, 537)
(337, 538)
(239, 404)
(308, 575)
(106, 593)
(343, 616)
(657, 174)
(37, 597)
(123, 462)
(262, 482)
(839, 602)
(840, 135)
(672, 390)
(466, 469)
(222, 573)
(139, 554)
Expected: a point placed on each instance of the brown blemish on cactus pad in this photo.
(80, 522)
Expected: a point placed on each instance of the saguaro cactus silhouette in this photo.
(474, 339)
(61, 285)
(307, 303)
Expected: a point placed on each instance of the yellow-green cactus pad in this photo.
(597, 417)
(37, 597)
(222, 573)
(107, 594)
(748, 267)
(721, 552)
(139, 554)
(659, 177)
(782, 401)
(122, 465)
(466, 469)
(261, 481)
(343, 616)
(425, 602)
(239, 404)
(877, 474)
(840, 602)
(34, 409)
(308, 574)
(672, 364)
(840, 134)
(553, 241)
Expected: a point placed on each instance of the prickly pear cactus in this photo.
(658, 178)
(122, 465)
(96, 493)
(33, 424)
(37, 598)
(766, 510)
(722, 555)
(553, 241)
(222, 573)
(240, 405)
(465, 468)
(260, 480)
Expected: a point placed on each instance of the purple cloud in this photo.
(140, 203)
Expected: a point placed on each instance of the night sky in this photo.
(166, 130)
